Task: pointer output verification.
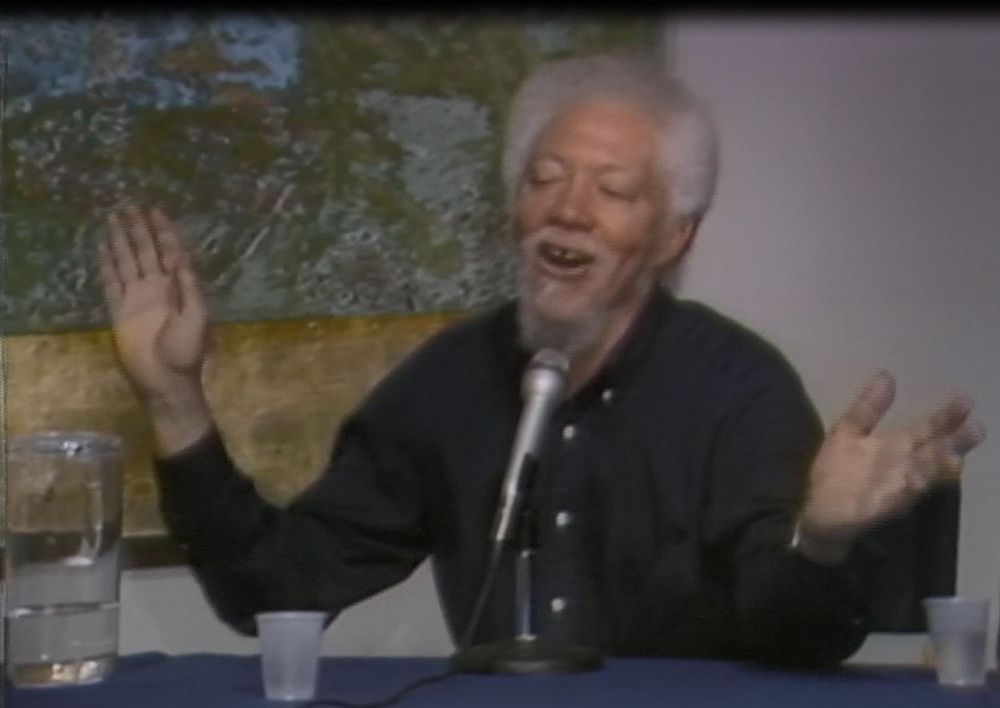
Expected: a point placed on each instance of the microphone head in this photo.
(545, 375)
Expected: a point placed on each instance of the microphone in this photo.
(542, 388)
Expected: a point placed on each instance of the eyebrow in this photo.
(627, 170)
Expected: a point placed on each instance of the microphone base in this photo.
(526, 655)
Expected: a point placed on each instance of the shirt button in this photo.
(563, 519)
(569, 432)
(607, 395)
(558, 604)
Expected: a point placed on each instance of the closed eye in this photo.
(617, 193)
(545, 172)
(541, 180)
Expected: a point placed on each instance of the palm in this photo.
(860, 477)
(158, 314)
(155, 340)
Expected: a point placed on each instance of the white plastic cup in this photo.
(957, 627)
(289, 653)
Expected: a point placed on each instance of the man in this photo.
(689, 504)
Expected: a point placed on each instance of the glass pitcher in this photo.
(62, 560)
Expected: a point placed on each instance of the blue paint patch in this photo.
(47, 57)
(273, 45)
(56, 58)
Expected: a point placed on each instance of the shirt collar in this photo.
(627, 355)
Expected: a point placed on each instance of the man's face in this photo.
(590, 220)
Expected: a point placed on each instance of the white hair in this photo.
(688, 136)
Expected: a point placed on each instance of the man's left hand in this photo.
(860, 477)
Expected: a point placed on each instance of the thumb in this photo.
(871, 403)
(193, 300)
(191, 297)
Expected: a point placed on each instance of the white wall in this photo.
(856, 227)
(164, 610)
(857, 220)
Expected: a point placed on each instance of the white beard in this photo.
(569, 336)
(574, 334)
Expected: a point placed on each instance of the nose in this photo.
(573, 207)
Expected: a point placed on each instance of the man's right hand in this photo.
(160, 322)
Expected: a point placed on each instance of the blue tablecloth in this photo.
(222, 681)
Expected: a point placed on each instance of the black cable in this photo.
(496, 556)
(382, 702)
(484, 592)
(529, 487)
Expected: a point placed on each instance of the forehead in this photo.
(603, 131)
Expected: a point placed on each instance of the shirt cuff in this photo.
(192, 480)
(832, 553)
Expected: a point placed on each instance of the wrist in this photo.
(178, 418)
(818, 547)
(179, 399)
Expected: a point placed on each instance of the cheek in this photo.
(632, 252)
(633, 234)
(527, 214)
(627, 268)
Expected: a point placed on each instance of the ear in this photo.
(676, 242)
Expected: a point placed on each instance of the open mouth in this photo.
(563, 260)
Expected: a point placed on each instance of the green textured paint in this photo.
(291, 194)
(418, 228)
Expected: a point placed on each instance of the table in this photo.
(154, 680)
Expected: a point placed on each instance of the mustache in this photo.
(566, 238)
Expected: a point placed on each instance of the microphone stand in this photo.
(526, 652)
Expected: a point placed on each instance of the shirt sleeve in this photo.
(788, 609)
(356, 530)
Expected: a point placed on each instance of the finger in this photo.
(934, 464)
(189, 287)
(121, 250)
(110, 282)
(143, 242)
(944, 421)
(950, 468)
(168, 241)
(869, 405)
(951, 456)
(174, 290)
(971, 434)
(943, 455)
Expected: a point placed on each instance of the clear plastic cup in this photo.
(957, 627)
(289, 653)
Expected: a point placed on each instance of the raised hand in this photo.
(159, 320)
(860, 477)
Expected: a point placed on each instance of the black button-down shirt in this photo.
(666, 492)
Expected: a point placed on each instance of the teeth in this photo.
(565, 257)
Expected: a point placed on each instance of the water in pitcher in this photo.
(62, 613)
(62, 559)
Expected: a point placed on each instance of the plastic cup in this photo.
(957, 627)
(289, 653)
